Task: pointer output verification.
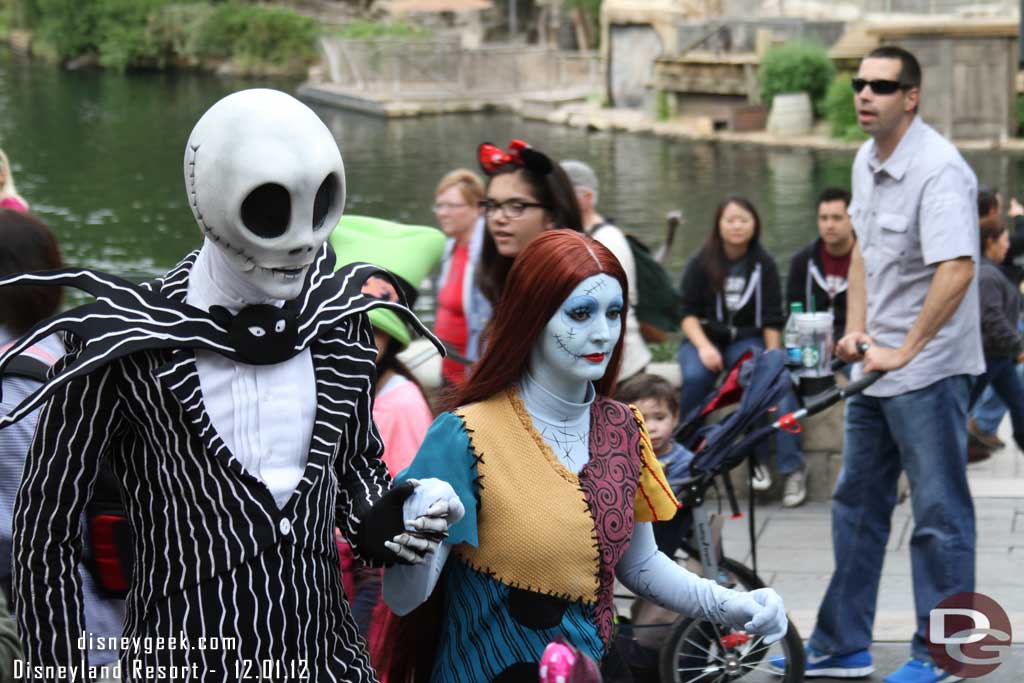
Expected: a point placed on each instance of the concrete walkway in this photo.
(795, 557)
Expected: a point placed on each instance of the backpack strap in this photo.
(27, 366)
(33, 363)
(108, 554)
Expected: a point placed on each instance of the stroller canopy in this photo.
(762, 380)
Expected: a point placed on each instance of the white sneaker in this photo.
(762, 478)
(794, 491)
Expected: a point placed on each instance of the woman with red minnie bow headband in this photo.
(527, 193)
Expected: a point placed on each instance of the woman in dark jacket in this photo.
(731, 299)
(732, 303)
(1000, 336)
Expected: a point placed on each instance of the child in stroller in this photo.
(696, 651)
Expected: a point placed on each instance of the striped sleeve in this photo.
(75, 429)
(363, 476)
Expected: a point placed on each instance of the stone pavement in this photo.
(794, 556)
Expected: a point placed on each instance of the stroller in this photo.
(696, 651)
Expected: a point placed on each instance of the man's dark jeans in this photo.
(925, 433)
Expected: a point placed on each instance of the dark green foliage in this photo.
(839, 110)
(69, 26)
(123, 33)
(155, 33)
(794, 67)
(253, 34)
(1020, 114)
(20, 13)
(363, 28)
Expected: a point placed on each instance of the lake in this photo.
(99, 157)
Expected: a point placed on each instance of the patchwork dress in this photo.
(535, 555)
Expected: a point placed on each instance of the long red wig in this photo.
(542, 277)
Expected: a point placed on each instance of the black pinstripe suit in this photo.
(214, 554)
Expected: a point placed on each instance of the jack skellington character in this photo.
(231, 399)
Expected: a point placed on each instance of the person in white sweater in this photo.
(636, 355)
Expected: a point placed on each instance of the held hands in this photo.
(429, 511)
(760, 612)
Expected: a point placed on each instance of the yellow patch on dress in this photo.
(535, 529)
(655, 501)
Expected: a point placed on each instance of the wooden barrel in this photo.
(791, 115)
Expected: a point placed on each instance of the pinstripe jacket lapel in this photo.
(336, 399)
(214, 554)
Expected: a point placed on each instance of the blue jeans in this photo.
(923, 432)
(989, 410)
(698, 382)
(1002, 380)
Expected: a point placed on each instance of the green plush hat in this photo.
(409, 252)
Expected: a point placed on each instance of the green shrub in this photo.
(665, 351)
(134, 33)
(69, 26)
(839, 110)
(663, 105)
(125, 35)
(277, 36)
(1020, 114)
(253, 34)
(178, 29)
(794, 67)
(362, 28)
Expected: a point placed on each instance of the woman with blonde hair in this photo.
(462, 310)
(9, 197)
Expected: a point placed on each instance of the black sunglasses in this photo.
(878, 86)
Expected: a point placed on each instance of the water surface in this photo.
(99, 157)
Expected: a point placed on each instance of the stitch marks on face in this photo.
(597, 286)
(561, 341)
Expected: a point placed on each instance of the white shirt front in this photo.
(263, 413)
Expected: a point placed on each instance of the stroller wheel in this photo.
(702, 652)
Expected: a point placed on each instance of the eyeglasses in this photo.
(447, 206)
(513, 208)
(878, 86)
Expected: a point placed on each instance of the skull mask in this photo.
(266, 184)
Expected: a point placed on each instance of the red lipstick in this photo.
(594, 357)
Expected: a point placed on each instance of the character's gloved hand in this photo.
(432, 507)
(760, 611)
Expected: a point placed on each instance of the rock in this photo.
(87, 60)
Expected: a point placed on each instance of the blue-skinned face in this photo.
(576, 344)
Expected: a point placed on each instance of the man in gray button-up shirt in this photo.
(912, 297)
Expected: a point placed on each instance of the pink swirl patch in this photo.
(609, 482)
